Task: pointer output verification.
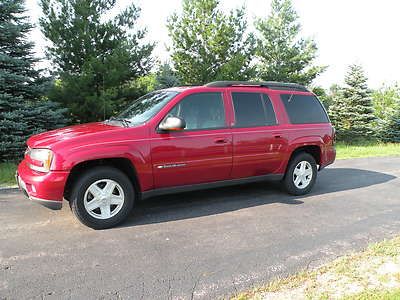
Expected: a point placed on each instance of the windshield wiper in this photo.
(125, 122)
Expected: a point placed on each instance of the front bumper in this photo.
(46, 189)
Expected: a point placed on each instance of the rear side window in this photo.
(303, 109)
(253, 109)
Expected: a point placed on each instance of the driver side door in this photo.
(200, 153)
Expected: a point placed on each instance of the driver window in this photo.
(201, 111)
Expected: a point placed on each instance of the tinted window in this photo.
(304, 109)
(201, 111)
(253, 109)
(269, 110)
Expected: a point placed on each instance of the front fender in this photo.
(138, 153)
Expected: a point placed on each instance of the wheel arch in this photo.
(314, 150)
(120, 163)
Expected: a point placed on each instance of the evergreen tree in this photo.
(390, 128)
(166, 77)
(386, 103)
(95, 55)
(208, 45)
(352, 110)
(282, 54)
(23, 109)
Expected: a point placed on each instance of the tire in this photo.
(106, 187)
(300, 183)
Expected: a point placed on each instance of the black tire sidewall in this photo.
(288, 180)
(91, 176)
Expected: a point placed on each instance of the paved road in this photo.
(202, 245)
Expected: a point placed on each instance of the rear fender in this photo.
(301, 142)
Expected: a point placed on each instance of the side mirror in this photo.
(172, 124)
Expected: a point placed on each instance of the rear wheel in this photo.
(301, 174)
(102, 197)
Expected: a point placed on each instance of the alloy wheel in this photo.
(103, 199)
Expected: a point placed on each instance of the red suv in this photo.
(180, 139)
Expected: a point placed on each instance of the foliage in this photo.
(23, 109)
(352, 110)
(166, 77)
(163, 78)
(390, 127)
(282, 54)
(326, 96)
(387, 109)
(209, 45)
(7, 173)
(385, 100)
(322, 95)
(141, 86)
(94, 55)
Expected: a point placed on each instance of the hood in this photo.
(49, 138)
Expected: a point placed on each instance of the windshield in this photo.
(146, 107)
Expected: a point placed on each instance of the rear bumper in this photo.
(328, 157)
(46, 189)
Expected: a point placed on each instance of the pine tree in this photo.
(282, 54)
(386, 102)
(23, 109)
(352, 110)
(390, 129)
(166, 77)
(209, 45)
(95, 55)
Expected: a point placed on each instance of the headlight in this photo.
(40, 159)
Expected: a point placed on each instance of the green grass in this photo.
(345, 151)
(375, 295)
(358, 269)
(7, 173)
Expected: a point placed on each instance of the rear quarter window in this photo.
(304, 109)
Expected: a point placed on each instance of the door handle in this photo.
(221, 141)
(277, 136)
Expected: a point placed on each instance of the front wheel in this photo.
(301, 174)
(102, 197)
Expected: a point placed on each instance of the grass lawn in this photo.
(344, 151)
(7, 173)
(376, 295)
(371, 274)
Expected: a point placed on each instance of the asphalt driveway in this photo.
(198, 245)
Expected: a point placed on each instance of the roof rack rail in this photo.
(273, 85)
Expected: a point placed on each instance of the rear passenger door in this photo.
(258, 143)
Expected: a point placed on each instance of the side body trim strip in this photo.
(209, 185)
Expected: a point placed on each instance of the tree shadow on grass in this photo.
(220, 200)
